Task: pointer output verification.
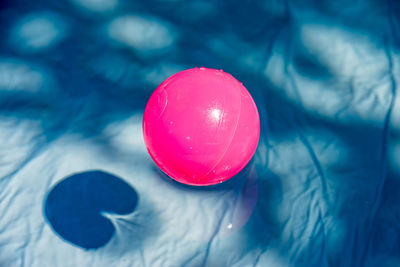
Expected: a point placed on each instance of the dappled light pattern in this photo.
(19, 76)
(98, 6)
(141, 33)
(362, 65)
(37, 32)
(322, 188)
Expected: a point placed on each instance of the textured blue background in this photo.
(321, 190)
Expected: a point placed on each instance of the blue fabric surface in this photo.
(78, 187)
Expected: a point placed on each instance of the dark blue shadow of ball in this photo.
(74, 207)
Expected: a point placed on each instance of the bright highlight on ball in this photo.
(201, 126)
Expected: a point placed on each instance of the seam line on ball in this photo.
(230, 142)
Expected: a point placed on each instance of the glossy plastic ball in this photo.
(201, 126)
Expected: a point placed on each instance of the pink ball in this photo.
(201, 126)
